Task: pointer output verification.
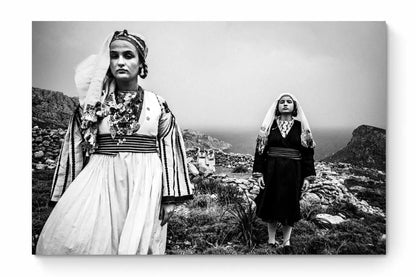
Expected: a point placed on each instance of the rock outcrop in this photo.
(195, 139)
(367, 148)
(51, 109)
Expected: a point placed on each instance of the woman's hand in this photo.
(166, 211)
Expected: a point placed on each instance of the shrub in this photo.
(374, 197)
(245, 215)
(200, 201)
(41, 185)
(240, 169)
(220, 250)
(309, 210)
(202, 227)
(226, 193)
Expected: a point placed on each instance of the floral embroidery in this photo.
(284, 126)
(124, 114)
(123, 110)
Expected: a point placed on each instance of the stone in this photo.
(40, 166)
(255, 191)
(342, 215)
(311, 198)
(50, 161)
(332, 219)
(241, 181)
(39, 154)
(192, 169)
(213, 196)
(243, 186)
(357, 189)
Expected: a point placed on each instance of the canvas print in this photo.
(209, 138)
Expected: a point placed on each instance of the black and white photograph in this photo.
(209, 138)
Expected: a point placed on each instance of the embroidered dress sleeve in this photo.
(72, 158)
(308, 167)
(177, 186)
(260, 160)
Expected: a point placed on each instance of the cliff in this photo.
(366, 148)
(51, 109)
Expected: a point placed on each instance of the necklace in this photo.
(124, 114)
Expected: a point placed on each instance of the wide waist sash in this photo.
(282, 152)
(134, 143)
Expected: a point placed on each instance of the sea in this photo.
(328, 140)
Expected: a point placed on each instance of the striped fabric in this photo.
(177, 186)
(281, 152)
(71, 159)
(135, 144)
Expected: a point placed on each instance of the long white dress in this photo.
(112, 207)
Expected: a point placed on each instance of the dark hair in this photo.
(143, 67)
(295, 108)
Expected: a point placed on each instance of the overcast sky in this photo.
(227, 74)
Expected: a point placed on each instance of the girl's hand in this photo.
(305, 183)
(260, 181)
(166, 211)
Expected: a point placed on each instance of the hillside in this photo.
(366, 148)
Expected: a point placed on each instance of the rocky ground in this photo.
(343, 211)
(46, 144)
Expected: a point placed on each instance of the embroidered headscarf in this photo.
(306, 135)
(133, 39)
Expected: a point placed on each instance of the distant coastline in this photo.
(329, 140)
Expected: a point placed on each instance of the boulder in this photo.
(39, 154)
(40, 166)
(49, 162)
(192, 169)
(325, 219)
(311, 197)
(46, 143)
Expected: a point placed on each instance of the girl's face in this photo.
(286, 105)
(124, 60)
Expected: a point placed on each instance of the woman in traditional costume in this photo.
(283, 163)
(122, 166)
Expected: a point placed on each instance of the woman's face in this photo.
(124, 60)
(286, 105)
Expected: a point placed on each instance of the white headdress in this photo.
(306, 136)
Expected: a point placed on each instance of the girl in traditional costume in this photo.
(122, 166)
(283, 163)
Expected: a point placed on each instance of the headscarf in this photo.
(306, 134)
(133, 39)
